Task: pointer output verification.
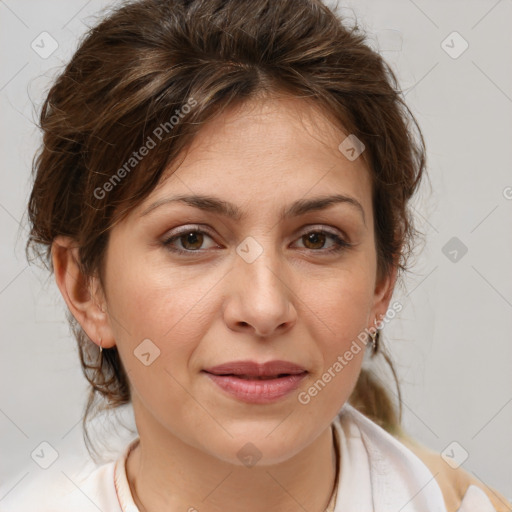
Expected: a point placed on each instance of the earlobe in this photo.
(80, 292)
(383, 293)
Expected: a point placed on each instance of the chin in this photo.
(253, 446)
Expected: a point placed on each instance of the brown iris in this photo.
(194, 238)
(314, 238)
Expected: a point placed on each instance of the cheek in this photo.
(160, 311)
(158, 324)
(341, 304)
(152, 301)
(335, 312)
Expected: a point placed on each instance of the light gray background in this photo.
(451, 342)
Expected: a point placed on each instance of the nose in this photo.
(259, 299)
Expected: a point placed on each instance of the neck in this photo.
(171, 475)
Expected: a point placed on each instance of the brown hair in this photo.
(138, 68)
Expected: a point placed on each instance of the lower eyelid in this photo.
(175, 237)
(339, 242)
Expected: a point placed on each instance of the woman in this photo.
(222, 193)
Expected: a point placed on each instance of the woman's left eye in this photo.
(192, 239)
(318, 236)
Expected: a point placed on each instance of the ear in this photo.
(382, 295)
(83, 294)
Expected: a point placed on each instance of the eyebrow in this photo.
(231, 211)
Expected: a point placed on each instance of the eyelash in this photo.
(339, 243)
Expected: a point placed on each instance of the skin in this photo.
(295, 302)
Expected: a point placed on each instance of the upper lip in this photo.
(254, 369)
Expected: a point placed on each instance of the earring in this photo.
(101, 356)
(375, 340)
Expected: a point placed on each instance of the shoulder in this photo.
(395, 477)
(59, 491)
(396, 465)
(458, 486)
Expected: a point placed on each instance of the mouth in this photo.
(256, 383)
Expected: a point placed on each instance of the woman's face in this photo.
(258, 286)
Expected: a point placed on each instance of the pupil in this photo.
(192, 238)
(315, 238)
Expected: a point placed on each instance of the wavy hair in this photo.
(141, 63)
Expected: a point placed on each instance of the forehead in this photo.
(270, 150)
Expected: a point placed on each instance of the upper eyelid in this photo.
(187, 229)
(309, 228)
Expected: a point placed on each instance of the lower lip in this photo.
(257, 391)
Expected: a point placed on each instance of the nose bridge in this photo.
(258, 286)
(258, 261)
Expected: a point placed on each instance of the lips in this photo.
(257, 383)
(251, 370)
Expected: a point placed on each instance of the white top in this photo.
(377, 474)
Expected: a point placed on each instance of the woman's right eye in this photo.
(190, 239)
